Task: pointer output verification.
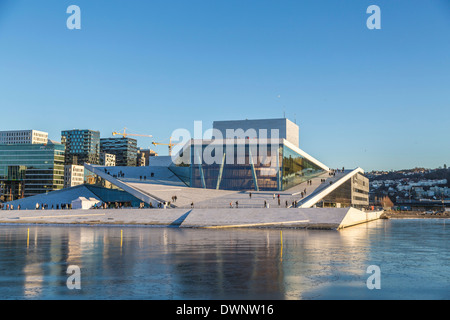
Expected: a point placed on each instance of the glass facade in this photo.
(181, 167)
(30, 169)
(82, 146)
(240, 166)
(91, 178)
(341, 197)
(352, 193)
(297, 169)
(125, 150)
(239, 169)
(110, 193)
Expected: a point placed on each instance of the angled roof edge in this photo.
(143, 196)
(305, 155)
(331, 188)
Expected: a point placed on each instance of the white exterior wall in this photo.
(108, 160)
(23, 137)
(286, 129)
(292, 133)
(73, 175)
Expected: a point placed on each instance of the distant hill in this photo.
(412, 174)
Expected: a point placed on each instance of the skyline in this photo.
(376, 99)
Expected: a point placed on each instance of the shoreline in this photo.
(417, 215)
(312, 218)
(176, 219)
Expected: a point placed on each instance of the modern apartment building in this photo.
(82, 146)
(144, 155)
(140, 159)
(73, 175)
(107, 159)
(23, 137)
(125, 150)
(30, 169)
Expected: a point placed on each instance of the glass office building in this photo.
(82, 146)
(30, 169)
(125, 150)
(251, 164)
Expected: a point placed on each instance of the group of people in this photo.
(275, 196)
(120, 174)
(237, 204)
(160, 205)
(332, 172)
(68, 206)
(8, 206)
(286, 204)
(44, 206)
(38, 206)
(145, 177)
(166, 204)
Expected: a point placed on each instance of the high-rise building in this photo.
(30, 169)
(125, 150)
(82, 146)
(23, 137)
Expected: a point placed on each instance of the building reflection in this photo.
(33, 281)
(316, 258)
(232, 264)
(174, 263)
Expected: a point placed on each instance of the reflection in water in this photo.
(33, 280)
(173, 263)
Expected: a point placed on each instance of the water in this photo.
(173, 263)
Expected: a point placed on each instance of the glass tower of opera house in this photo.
(244, 164)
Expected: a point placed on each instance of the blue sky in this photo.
(378, 99)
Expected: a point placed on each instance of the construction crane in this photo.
(170, 145)
(124, 134)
